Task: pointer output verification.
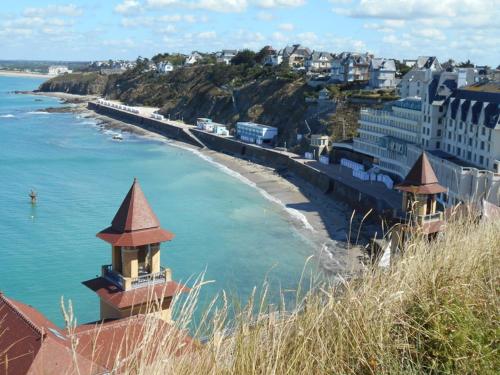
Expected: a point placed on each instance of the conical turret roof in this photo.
(135, 213)
(135, 223)
(421, 179)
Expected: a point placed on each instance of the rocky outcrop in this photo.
(77, 83)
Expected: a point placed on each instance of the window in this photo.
(481, 159)
(439, 133)
(440, 121)
(438, 145)
(469, 155)
(449, 135)
(482, 145)
(460, 138)
(459, 151)
(483, 130)
(448, 148)
(470, 141)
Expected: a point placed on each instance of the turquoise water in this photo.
(81, 176)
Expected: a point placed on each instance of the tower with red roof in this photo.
(135, 282)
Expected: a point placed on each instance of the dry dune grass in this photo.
(436, 311)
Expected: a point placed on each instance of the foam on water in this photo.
(38, 113)
(7, 116)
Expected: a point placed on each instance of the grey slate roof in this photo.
(383, 64)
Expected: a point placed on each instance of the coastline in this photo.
(320, 220)
(15, 73)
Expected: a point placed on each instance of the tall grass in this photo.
(436, 311)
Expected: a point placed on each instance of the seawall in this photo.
(160, 127)
(330, 185)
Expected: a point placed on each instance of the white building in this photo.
(256, 133)
(193, 58)
(164, 67)
(459, 127)
(55, 70)
(382, 73)
(274, 59)
(225, 56)
(350, 67)
(412, 84)
(385, 134)
(319, 61)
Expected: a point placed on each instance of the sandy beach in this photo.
(15, 73)
(319, 219)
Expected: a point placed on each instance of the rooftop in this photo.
(421, 179)
(115, 296)
(248, 123)
(414, 104)
(135, 223)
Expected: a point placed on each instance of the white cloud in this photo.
(207, 35)
(433, 34)
(478, 12)
(308, 38)
(225, 6)
(264, 16)
(279, 37)
(154, 22)
(287, 26)
(69, 10)
(378, 27)
(280, 3)
(168, 29)
(394, 23)
(128, 7)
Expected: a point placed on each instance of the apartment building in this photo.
(457, 123)
(385, 134)
(413, 82)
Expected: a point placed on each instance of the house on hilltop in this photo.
(319, 61)
(382, 73)
(295, 55)
(350, 67)
(225, 56)
(193, 58)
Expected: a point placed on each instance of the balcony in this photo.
(144, 280)
(421, 219)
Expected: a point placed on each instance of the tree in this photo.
(466, 64)
(263, 53)
(246, 57)
(401, 69)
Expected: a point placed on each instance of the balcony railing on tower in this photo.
(125, 283)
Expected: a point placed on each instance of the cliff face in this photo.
(226, 94)
(76, 83)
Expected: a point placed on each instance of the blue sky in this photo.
(92, 29)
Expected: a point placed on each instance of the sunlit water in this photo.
(81, 176)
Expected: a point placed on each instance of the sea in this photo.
(223, 226)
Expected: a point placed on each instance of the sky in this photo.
(125, 29)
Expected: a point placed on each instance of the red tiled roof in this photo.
(30, 343)
(113, 295)
(116, 343)
(139, 238)
(421, 179)
(135, 223)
